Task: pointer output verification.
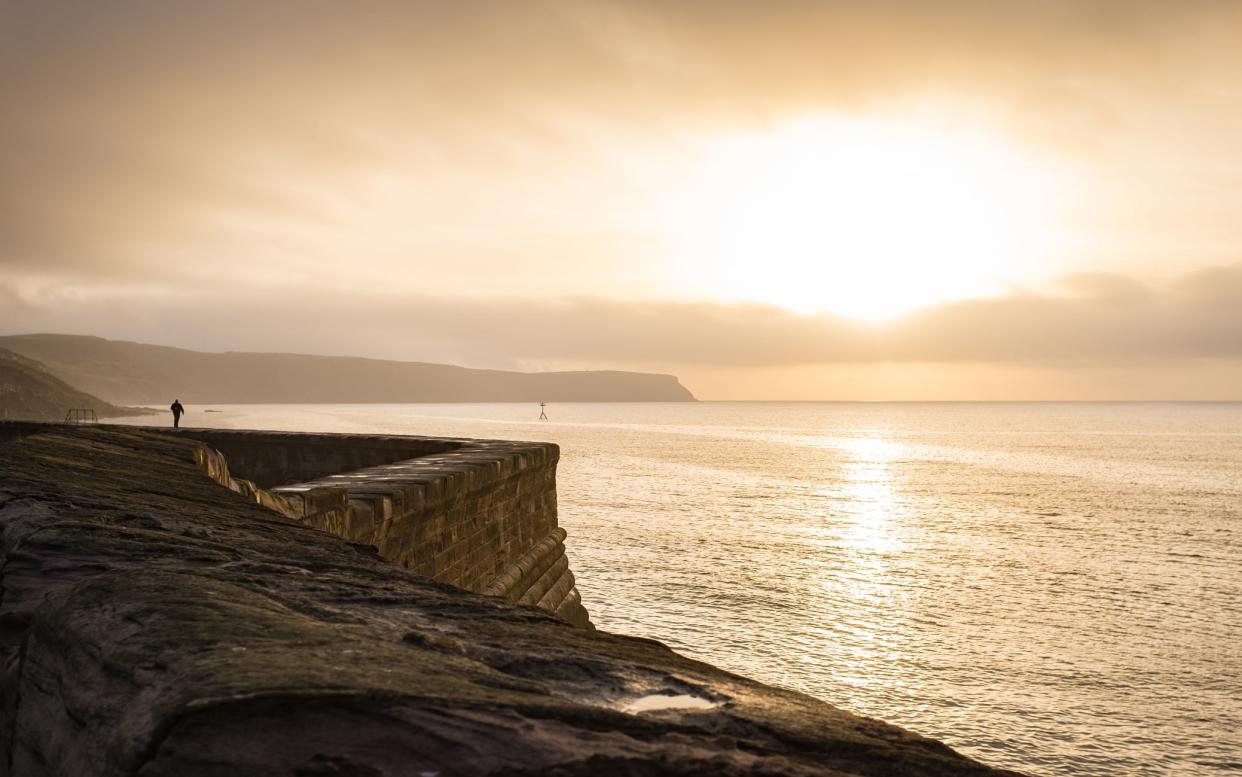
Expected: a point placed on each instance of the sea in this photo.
(1050, 587)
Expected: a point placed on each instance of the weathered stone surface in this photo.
(271, 459)
(154, 623)
(463, 512)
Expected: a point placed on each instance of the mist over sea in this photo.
(1055, 588)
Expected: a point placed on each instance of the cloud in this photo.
(217, 174)
(132, 129)
(1116, 321)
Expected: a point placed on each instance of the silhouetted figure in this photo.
(177, 411)
(542, 415)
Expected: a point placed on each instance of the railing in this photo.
(81, 415)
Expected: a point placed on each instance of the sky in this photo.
(885, 200)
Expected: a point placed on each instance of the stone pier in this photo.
(477, 514)
(156, 624)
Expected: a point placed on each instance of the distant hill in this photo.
(29, 392)
(120, 371)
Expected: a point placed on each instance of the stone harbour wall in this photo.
(155, 624)
(270, 459)
(541, 578)
(477, 514)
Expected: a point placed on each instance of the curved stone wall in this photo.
(270, 459)
(542, 577)
(477, 514)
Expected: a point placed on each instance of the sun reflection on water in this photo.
(869, 497)
(866, 602)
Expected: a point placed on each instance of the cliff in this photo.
(156, 623)
(29, 391)
(136, 373)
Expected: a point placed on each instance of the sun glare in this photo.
(861, 218)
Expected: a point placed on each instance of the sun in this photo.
(864, 218)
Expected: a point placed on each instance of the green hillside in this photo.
(29, 392)
(120, 371)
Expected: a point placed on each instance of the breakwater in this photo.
(477, 514)
(155, 623)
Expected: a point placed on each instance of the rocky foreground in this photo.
(155, 623)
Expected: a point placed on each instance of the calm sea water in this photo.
(1055, 588)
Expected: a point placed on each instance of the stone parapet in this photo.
(271, 459)
(465, 512)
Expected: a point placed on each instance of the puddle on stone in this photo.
(662, 701)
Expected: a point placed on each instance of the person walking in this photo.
(177, 410)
